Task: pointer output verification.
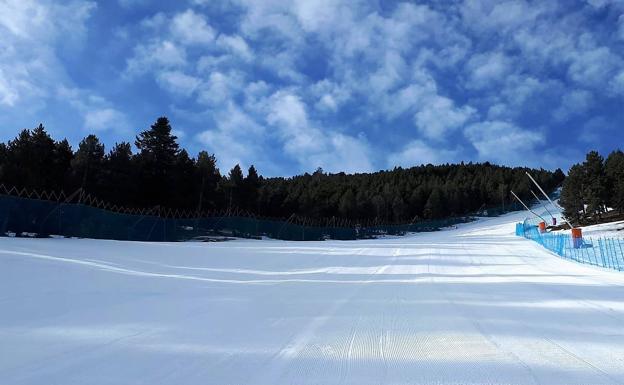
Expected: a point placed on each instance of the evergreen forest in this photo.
(156, 171)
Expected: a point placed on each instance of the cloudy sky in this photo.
(346, 85)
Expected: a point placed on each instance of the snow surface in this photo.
(607, 230)
(475, 305)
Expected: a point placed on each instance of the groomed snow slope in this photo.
(474, 305)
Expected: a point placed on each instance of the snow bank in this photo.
(475, 305)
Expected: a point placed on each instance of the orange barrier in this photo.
(577, 238)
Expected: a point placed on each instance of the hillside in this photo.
(472, 305)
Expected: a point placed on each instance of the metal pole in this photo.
(547, 197)
(542, 190)
(545, 208)
(526, 207)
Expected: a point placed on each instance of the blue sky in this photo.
(346, 85)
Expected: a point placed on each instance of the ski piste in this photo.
(472, 305)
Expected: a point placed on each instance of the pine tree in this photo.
(251, 187)
(434, 208)
(184, 172)
(595, 186)
(87, 165)
(614, 170)
(158, 143)
(30, 160)
(398, 208)
(347, 204)
(235, 186)
(556, 179)
(161, 174)
(572, 194)
(19, 156)
(44, 148)
(209, 177)
(158, 151)
(120, 175)
(3, 161)
(63, 156)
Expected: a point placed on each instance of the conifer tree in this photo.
(209, 177)
(63, 156)
(3, 161)
(162, 174)
(44, 162)
(251, 186)
(30, 160)
(595, 186)
(572, 194)
(158, 151)
(235, 186)
(434, 207)
(346, 206)
(614, 170)
(87, 165)
(120, 175)
(183, 181)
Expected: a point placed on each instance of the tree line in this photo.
(161, 173)
(594, 186)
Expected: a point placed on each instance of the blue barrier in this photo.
(603, 251)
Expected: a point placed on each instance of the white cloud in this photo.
(103, 119)
(573, 103)
(220, 88)
(504, 142)
(98, 114)
(598, 3)
(190, 27)
(519, 89)
(270, 15)
(439, 116)
(315, 15)
(391, 73)
(164, 52)
(500, 16)
(155, 22)
(435, 116)
(595, 130)
(45, 21)
(487, 69)
(237, 138)
(8, 93)
(154, 56)
(310, 146)
(417, 152)
(33, 33)
(592, 65)
(387, 66)
(617, 84)
(178, 82)
(237, 45)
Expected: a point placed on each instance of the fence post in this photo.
(602, 259)
(616, 262)
(615, 254)
(604, 249)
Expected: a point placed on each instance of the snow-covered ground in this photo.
(475, 305)
(608, 230)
